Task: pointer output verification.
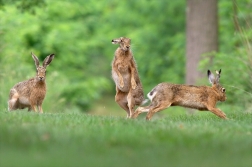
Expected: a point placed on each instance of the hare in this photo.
(202, 98)
(30, 93)
(129, 90)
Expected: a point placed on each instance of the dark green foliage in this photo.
(80, 33)
(24, 5)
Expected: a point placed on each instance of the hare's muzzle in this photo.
(41, 78)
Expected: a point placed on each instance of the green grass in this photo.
(64, 139)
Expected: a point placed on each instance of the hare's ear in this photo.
(218, 75)
(211, 77)
(48, 60)
(36, 60)
(115, 41)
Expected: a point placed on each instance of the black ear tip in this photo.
(208, 72)
(52, 55)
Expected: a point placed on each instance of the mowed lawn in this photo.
(63, 139)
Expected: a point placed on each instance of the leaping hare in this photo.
(129, 91)
(30, 93)
(202, 98)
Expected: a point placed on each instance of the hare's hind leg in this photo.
(121, 100)
(140, 110)
(156, 108)
(131, 103)
(13, 100)
(12, 104)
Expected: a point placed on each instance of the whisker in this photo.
(133, 46)
(239, 89)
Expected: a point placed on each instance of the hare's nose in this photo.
(41, 78)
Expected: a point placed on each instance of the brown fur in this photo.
(202, 98)
(30, 93)
(129, 91)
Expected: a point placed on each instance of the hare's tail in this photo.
(144, 102)
(152, 94)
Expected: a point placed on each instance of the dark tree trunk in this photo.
(201, 35)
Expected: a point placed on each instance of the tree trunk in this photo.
(201, 34)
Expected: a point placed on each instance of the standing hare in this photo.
(30, 93)
(129, 91)
(202, 98)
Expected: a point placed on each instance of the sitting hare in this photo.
(30, 93)
(202, 98)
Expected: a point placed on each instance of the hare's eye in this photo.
(223, 90)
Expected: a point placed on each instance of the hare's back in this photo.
(24, 88)
(186, 95)
(169, 91)
(163, 87)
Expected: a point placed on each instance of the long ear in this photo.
(211, 77)
(117, 41)
(218, 75)
(36, 60)
(48, 60)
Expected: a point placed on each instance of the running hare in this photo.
(30, 93)
(202, 98)
(129, 91)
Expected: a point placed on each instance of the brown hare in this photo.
(30, 93)
(129, 91)
(202, 98)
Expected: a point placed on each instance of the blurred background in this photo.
(172, 41)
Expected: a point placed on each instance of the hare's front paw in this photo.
(133, 84)
(121, 83)
(224, 116)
